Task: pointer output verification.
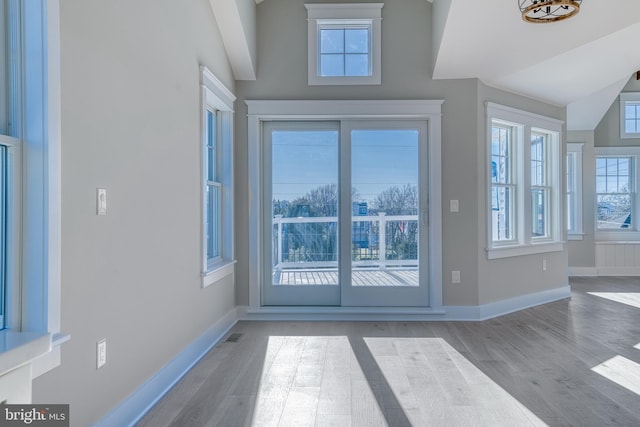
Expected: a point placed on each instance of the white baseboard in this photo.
(133, 408)
(583, 271)
(500, 308)
(466, 313)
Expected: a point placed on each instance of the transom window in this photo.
(524, 183)
(630, 115)
(344, 43)
(344, 50)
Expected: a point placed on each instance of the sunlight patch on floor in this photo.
(344, 381)
(313, 380)
(629, 298)
(436, 385)
(622, 371)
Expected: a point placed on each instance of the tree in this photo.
(401, 235)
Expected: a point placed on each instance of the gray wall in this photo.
(407, 65)
(607, 133)
(510, 277)
(131, 124)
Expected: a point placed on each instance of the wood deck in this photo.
(387, 277)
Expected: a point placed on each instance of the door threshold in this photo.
(339, 313)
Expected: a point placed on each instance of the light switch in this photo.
(101, 200)
(454, 206)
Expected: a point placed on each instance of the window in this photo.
(214, 192)
(630, 115)
(614, 192)
(524, 182)
(344, 44)
(217, 179)
(574, 191)
(30, 209)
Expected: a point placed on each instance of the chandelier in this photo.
(541, 11)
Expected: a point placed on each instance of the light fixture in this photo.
(541, 11)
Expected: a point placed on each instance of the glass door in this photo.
(343, 213)
(387, 238)
(301, 213)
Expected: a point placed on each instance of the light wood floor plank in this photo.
(529, 368)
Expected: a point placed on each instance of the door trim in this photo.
(261, 111)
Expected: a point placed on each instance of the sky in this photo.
(306, 159)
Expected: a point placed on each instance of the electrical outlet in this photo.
(101, 354)
(455, 276)
(544, 265)
(454, 206)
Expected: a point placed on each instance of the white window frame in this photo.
(625, 98)
(344, 15)
(218, 99)
(633, 232)
(523, 124)
(34, 300)
(574, 196)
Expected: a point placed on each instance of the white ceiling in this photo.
(581, 63)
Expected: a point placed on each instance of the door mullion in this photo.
(344, 220)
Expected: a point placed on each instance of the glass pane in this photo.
(4, 206)
(614, 211)
(384, 194)
(332, 41)
(331, 65)
(538, 212)
(356, 65)
(305, 207)
(502, 213)
(214, 218)
(357, 40)
(570, 215)
(538, 169)
(4, 98)
(500, 155)
(211, 144)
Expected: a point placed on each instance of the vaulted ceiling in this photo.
(581, 63)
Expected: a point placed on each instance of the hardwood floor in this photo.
(569, 363)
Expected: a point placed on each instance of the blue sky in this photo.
(304, 160)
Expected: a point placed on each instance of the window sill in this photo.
(344, 80)
(537, 248)
(575, 236)
(218, 272)
(20, 348)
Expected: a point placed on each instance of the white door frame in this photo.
(260, 111)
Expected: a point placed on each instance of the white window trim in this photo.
(624, 98)
(525, 244)
(628, 234)
(574, 152)
(369, 13)
(39, 310)
(216, 96)
(261, 111)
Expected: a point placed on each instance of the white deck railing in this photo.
(374, 249)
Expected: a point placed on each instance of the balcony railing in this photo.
(312, 242)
